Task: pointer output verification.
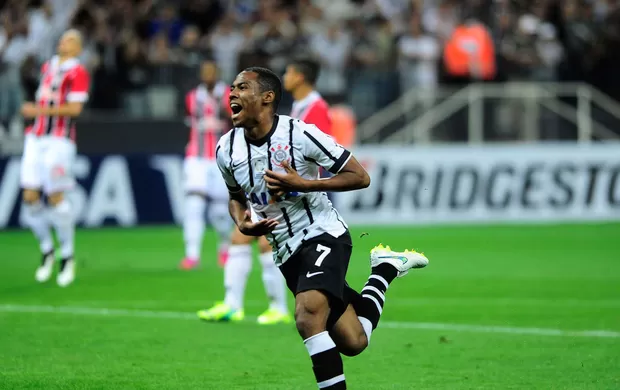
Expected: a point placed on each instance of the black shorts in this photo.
(321, 263)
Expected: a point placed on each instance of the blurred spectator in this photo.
(274, 37)
(161, 52)
(134, 77)
(332, 48)
(14, 50)
(418, 56)
(226, 43)
(190, 52)
(167, 24)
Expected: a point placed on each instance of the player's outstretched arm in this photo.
(352, 176)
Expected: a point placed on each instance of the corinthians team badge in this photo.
(279, 154)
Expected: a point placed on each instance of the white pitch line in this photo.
(107, 312)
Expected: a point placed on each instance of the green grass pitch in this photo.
(499, 307)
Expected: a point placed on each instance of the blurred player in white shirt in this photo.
(207, 109)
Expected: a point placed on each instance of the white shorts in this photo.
(204, 177)
(47, 164)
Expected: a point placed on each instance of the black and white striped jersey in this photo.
(301, 216)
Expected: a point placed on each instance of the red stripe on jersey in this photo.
(60, 84)
(206, 125)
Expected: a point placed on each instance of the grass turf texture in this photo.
(521, 277)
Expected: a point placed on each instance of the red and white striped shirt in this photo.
(60, 84)
(204, 111)
(314, 110)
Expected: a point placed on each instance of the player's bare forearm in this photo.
(352, 177)
(238, 207)
(68, 109)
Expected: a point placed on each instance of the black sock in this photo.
(63, 262)
(373, 293)
(326, 362)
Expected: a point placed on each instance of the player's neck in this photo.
(262, 128)
(208, 86)
(302, 92)
(63, 58)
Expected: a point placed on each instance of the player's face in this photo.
(68, 45)
(292, 78)
(208, 73)
(246, 100)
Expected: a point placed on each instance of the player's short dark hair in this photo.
(268, 81)
(308, 67)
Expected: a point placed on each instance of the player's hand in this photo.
(257, 229)
(29, 110)
(290, 181)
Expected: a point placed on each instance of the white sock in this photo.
(367, 325)
(275, 285)
(64, 224)
(220, 220)
(36, 218)
(194, 225)
(236, 273)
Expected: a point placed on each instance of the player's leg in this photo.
(194, 213)
(364, 311)
(236, 272)
(217, 210)
(316, 275)
(58, 181)
(193, 229)
(312, 310)
(220, 221)
(34, 211)
(275, 287)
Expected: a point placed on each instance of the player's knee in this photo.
(355, 345)
(31, 196)
(55, 198)
(263, 245)
(311, 310)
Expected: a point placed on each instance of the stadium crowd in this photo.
(143, 53)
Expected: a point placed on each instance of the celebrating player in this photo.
(49, 151)
(309, 106)
(206, 106)
(275, 160)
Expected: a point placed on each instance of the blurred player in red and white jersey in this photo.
(49, 152)
(207, 113)
(309, 106)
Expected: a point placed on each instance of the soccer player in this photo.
(275, 160)
(49, 152)
(308, 106)
(299, 79)
(205, 191)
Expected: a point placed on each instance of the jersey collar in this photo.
(68, 64)
(301, 105)
(260, 142)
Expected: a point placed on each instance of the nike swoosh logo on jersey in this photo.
(309, 275)
(238, 164)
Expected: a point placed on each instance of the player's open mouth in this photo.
(236, 109)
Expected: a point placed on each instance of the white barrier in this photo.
(470, 184)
